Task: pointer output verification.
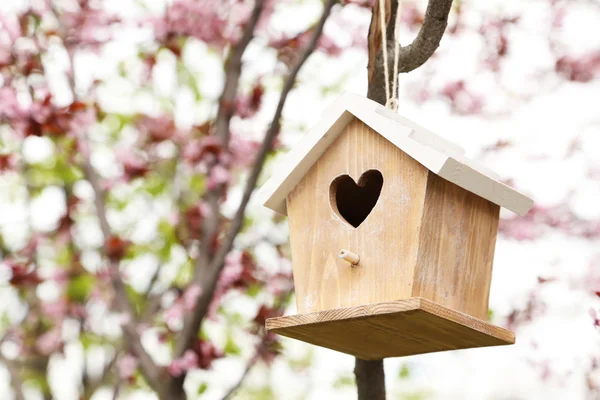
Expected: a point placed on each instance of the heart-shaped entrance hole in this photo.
(354, 202)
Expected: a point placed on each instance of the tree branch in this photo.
(90, 386)
(411, 56)
(233, 71)
(370, 375)
(267, 144)
(249, 366)
(209, 277)
(132, 337)
(15, 377)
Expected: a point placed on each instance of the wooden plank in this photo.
(386, 241)
(456, 248)
(437, 154)
(391, 329)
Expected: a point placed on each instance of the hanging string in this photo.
(391, 99)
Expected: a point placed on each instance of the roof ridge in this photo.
(441, 156)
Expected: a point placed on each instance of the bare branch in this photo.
(233, 71)
(90, 386)
(132, 337)
(251, 363)
(152, 307)
(208, 279)
(117, 389)
(428, 39)
(267, 144)
(15, 377)
(99, 201)
(411, 56)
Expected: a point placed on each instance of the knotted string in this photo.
(391, 99)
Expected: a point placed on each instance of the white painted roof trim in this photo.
(440, 156)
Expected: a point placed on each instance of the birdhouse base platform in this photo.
(391, 329)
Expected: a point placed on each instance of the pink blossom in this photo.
(9, 104)
(40, 111)
(133, 165)
(55, 310)
(9, 24)
(60, 276)
(265, 16)
(204, 209)
(78, 311)
(174, 316)
(5, 54)
(173, 218)
(87, 26)
(592, 280)
(221, 20)
(195, 216)
(81, 121)
(192, 151)
(123, 318)
(248, 105)
(157, 128)
(182, 18)
(183, 364)
(50, 341)
(127, 365)
(243, 151)
(190, 297)
(7, 162)
(232, 271)
(595, 317)
(462, 100)
(519, 229)
(218, 175)
(280, 284)
(329, 47)
(206, 353)
(197, 150)
(175, 368)
(579, 69)
(186, 303)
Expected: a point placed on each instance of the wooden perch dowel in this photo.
(349, 256)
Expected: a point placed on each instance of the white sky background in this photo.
(541, 130)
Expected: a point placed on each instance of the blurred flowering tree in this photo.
(180, 177)
(146, 248)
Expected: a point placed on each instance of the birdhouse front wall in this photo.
(326, 213)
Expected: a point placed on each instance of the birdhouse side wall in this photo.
(386, 241)
(456, 248)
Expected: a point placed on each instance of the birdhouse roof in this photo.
(440, 156)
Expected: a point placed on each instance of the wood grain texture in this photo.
(456, 248)
(386, 241)
(391, 329)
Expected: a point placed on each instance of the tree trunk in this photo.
(370, 379)
(370, 375)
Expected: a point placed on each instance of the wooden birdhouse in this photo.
(392, 236)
